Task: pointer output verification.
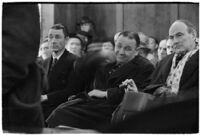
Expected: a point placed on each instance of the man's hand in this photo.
(164, 91)
(159, 91)
(98, 93)
(44, 98)
(72, 97)
(129, 85)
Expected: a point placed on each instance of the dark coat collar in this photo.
(47, 62)
(126, 68)
(190, 66)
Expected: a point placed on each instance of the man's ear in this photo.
(194, 34)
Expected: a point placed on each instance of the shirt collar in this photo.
(59, 55)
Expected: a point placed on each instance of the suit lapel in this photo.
(58, 66)
(61, 60)
(166, 68)
(190, 67)
(46, 65)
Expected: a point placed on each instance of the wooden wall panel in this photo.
(190, 12)
(47, 19)
(65, 14)
(104, 17)
(154, 19)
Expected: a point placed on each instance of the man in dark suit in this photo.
(21, 77)
(58, 68)
(178, 72)
(175, 83)
(105, 94)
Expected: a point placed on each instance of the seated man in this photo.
(175, 81)
(57, 69)
(178, 72)
(162, 49)
(105, 94)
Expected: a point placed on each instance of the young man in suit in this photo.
(105, 95)
(57, 69)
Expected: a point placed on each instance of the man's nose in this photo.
(53, 40)
(175, 41)
(121, 51)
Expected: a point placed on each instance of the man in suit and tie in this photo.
(57, 69)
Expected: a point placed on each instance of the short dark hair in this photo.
(85, 20)
(131, 35)
(75, 36)
(190, 27)
(155, 39)
(60, 27)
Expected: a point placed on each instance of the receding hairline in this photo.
(190, 27)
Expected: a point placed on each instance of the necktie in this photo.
(53, 63)
(179, 57)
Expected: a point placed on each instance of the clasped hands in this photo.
(164, 91)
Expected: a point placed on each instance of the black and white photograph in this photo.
(100, 67)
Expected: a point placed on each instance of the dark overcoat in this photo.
(94, 112)
(189, 79)
(20, 74)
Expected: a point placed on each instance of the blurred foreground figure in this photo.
(21, 77)
(108, 46)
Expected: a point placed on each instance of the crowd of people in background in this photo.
(76, 79)
(80, 41)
